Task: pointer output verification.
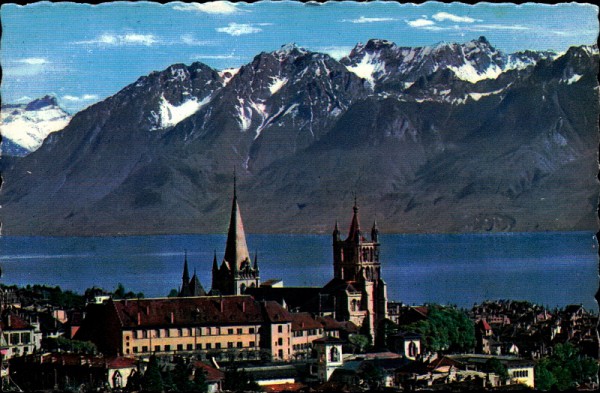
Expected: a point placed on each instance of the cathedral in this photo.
(357, 293)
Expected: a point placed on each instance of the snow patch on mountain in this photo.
(169, 114)
(29, 128)
(277, 84)
(367, 67)
(228, 74)
(470, 74)
(573, 79)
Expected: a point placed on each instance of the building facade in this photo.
(227, 328)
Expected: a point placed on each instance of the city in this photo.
(248, 334)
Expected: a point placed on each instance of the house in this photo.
(224, 327)
(214, 377)
(19, 337)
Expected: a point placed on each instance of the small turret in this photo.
(256, 262)
(336, 232)
(375, 233)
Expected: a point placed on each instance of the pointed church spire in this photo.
(236, 250)
(336, 232)
(215, 264)
(186, 274)
(185, 279)
(375, 232)
(354, 233)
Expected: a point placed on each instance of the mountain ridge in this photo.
(425, 150)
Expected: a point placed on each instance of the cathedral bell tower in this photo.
(356, 262)
(236, 272)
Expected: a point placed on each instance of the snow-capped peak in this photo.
(27, 125)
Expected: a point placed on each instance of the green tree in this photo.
(359, 342)
(173, 293)
(385, 329)
(239, 381)
(152, 380)
(372, 375)
(565, 369)
(445, 329)
(493, 365)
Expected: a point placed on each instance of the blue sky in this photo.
(83, 53)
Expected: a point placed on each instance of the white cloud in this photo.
(443, 16)
(33, 61)
(122, 39)
(214, 7)
(215, 57)
(189, 39)
(363, 19)
(237, 29)
(420, 22)
(337, 52)
(502, 27)
(24, 99)
(85, 97)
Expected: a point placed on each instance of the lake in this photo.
(548, 268)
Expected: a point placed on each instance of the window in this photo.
(334, 355)
(281, 353)
(167, 332)
(229, 345)
(157, 333)
(240, 331)
(167, 347)
(157, 348)
(190, 347)
(180, 347)
(179, 332)
(25, 338)
(14, 338)
(144, 348)
(251, 330)
(280, 329)
(217, 345)
(135, 349)
(280, 341)
(208, 345)
(252, 344)
(229, 331)
(239, 344)
(199, 346)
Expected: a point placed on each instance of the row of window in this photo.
(299, 347)
(191, 347)
(521, 374)
(309, 332)
(187, 332)
(23, 338)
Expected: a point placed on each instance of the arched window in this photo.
(412, 349)
(117, 379)
(334, 355)
(242, 288)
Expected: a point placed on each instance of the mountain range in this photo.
(444, 138)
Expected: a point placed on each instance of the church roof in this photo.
(354, 232)
(236, 250)
(196, 288)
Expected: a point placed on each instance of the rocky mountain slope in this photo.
(454, 137)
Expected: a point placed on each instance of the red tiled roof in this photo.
(212, 374)
(16, 322)
(206, 310)
(120, 362)
(274, 312)
(283, 387)
(304, 321)
(486, 326)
